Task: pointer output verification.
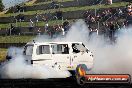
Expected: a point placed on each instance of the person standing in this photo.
(37, 19)
(112, 31)
(46, 27)
(62, 30)
(109, 2)
(31, 25)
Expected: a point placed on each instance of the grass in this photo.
(30, 3)
(26, 24)
(42, 3)
(119, 4)
(3, 53)
(12, 39)
(16, 39)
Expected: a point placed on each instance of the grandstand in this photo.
(22, 22)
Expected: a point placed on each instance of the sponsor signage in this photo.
(108, 78)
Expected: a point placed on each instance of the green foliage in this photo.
(1, 5)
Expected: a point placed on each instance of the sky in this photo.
(10, 3)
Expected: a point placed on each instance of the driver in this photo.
(75, 50)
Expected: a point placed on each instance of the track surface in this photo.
(51, 83)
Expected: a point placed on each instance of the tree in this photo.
(1, 5)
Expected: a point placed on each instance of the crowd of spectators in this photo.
(108, 21)
(35, 19)
(58, 29)
(105, 21)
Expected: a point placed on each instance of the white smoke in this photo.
(108, 58)
(11, 3)
(115, 58)
(17, 67)
(13, 51)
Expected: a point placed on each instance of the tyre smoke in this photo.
(108, 58)
(17, 68)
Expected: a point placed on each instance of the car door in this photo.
(80, 55)
(42, 55)
(60, 55)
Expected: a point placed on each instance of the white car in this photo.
(63, 55)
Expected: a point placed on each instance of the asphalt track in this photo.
(52, 83)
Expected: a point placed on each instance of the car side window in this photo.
(77, 48)
(43, 49)
(60, 49)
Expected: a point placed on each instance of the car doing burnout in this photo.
(63, 55)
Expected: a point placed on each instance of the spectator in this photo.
(120, 13)
(85, 14)
(18, 8)
(52, 31)
(98, 17)
(112, 30)
(92, 19)
(59, 14)
(46, 27)
(54, 5)
(39, 31)
(45, 19)
(62, 30)
(129, 9)
(109, 2)
(31, 25)
(65, 25)
(11, 30)
(117, 26)
(124, 24)
(20, 17)
(36, 19)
